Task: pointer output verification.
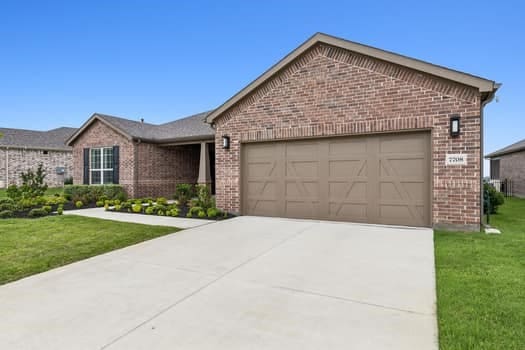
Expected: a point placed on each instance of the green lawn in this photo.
(29, 246)
(481, 284)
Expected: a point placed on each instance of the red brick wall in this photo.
(154, 172)
(329, 91)
(161, 169)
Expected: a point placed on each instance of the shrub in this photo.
(137, 207)
(118, 207)
(204, 197)
(100, 204)
(188, 215)
(33, 184)
(149, 210)
(60, 209)
(106, 207)
(194, 210)
(212, 212)
(162, 200)
(201, 214)
(93, 193)
(183, 193)
(79, 204)
(14, 192)
(47, 208)
(55, 200)
(37, 212)
(174, 212)
(491, 199)
(7, 204)
(4, 214)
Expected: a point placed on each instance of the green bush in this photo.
(174, 212)
(204, 198)
(162, 201)
(7, 204)
(47, 208)
(201, 214)
(195, 210)
(118, 207)
(491, 199)
(79, 204)
(94, 193)
(4, 214)
(57, 199)
(37, 212)
(14, 192)
(183, 193)
(212, 212)
(137, 208)
(33, 184)
(188, 215)
(149, 210)
(100, 204)
(60, 209)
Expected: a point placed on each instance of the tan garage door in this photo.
(375, 179)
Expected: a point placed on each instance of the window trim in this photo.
(100, 170)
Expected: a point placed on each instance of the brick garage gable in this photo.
(329, 91)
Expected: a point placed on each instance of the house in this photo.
(21, 150)
(146, 159)
(508, 163)
(336, 130)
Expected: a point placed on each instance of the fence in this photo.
(503, 186)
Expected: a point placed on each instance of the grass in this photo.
(481, 284)
(49, 192)
(29, 246)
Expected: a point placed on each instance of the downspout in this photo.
(489, 99)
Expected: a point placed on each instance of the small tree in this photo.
(33, 182)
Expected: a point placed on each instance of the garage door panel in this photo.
(375, 179)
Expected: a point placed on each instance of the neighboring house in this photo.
(146, 159)
(508, 163)
(335, 130)
(21, 150)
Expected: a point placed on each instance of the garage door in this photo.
(374, 179)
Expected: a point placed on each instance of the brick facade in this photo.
(512, 166)
(329, 91)
(145, 169)
(14, 161)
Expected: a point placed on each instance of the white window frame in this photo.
(101, 168)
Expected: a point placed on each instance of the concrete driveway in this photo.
(246, 283)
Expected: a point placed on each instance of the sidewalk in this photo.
(100, 213)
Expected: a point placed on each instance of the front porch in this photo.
(159, 168)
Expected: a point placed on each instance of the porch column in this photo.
(204, 166)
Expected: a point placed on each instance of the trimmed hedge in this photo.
(94, 193)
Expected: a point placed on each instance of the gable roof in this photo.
(193, 127)
(515, 147)
(32, 139)
(488, 87)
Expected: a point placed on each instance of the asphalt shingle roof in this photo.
(50, 140)
(515, 147)
(193, 126)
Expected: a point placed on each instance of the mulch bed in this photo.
(183, 211)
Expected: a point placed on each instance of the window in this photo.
(101, 166)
